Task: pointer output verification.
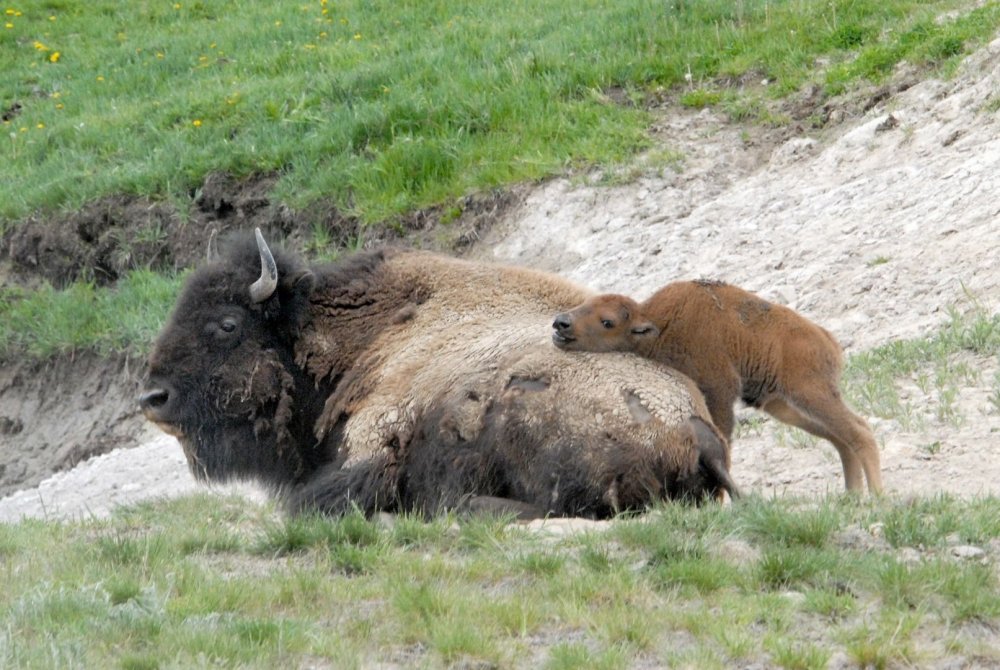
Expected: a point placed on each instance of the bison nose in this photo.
(154, 399)
(562, 322)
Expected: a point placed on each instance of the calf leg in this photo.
(720, 406)
(825, 415)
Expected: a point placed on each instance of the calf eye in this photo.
(228, 325)
(607, 323)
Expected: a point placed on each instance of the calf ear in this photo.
(645, 329)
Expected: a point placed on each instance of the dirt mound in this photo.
(56, 414)
(107, 238)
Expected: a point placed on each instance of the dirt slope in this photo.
(874, 230)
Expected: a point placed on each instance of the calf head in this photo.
(608, 322)
(222, 377)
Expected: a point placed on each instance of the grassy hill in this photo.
(379, 109)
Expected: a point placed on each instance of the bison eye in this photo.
(607, 323)
(228, 325)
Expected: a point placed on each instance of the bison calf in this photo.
(734, 345)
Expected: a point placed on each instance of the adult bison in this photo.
(734, 345)
(404, 380)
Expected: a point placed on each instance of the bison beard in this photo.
(408, 381)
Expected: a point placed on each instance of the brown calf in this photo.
(734, 344)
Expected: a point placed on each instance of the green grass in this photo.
(938, 365)
(146, 589)
(383, 108)
(47, 321)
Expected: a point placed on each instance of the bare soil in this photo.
(874, 215)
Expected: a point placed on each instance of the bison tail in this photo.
(712, 457)
(366, 487)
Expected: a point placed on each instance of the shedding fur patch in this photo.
(639, 411)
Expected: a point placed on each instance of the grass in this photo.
(47, 322)
(146, 589)
(387, 108)
(937, 365)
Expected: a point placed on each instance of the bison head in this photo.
(222, 377)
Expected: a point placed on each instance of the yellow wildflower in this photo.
(357, 36)
(177, 5)
(9, 12)
(159, 55)
(52, 18)
(41, 126)
(59, 105)
(40, 47)
(57, 94)
(54, 57)
(100, 77)
(196, 123)
(277, 23)
(8, 25)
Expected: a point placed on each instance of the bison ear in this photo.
(302, 281)
(298, 285)
(294, 291)
(645, 329)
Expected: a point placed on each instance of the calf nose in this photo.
(153, 399)
(562, 322)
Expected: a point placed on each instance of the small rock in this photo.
(738, 552)
(840, 661)
(568, 526)
(967, 552)
(855, 537)
(888, 123)
(794, 597)
(909, 556)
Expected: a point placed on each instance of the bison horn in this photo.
(213, 246)
(263, 288)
